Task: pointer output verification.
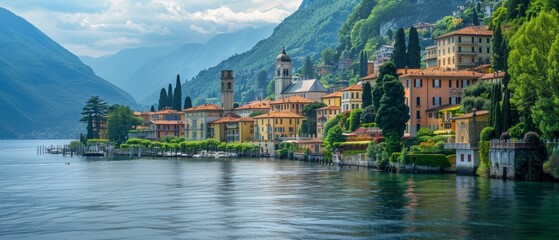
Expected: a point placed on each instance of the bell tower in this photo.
(227, 90)
(283, 73)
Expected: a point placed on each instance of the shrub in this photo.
(451, 159)
(395, 156)
(517, 131)
(532, 138)
(431, 160)
(552, 165)
(487, 134)
(96, 141)
(424, 132)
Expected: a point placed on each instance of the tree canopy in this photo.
(120, 120)
(93, 113)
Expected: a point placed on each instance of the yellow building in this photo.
(351, 98)
(294, 104)
(464, 48)
(262, 106)
(323, 115)
(233, 129)
(468, 130)
(440, 119)
(197, 121)
(275, 124)
(332, 99)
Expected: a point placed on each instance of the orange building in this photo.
(323, 115)
(262, 106)
(430, 88)
(294, 104)
(165, 128)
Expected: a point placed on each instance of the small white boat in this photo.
(221, 155)
(55, 151)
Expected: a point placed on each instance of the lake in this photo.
(41, 197)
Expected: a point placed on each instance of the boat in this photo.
(55, 151)
(221, 155)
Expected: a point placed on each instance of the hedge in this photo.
(432, 160)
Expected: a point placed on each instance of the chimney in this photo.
(370, 67)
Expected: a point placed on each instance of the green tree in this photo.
(308, 71)
(170, 96)
(368, 115)
(367, 97)
(187, 103)
(393, 113)
(327, 56)
(89, 129)
(162, 99)
(120, 120)
(355, 119)
(152, 109)
(387, 68)
(532, 65)
(94, 112)
(177, 96)
(498, 60)
(414, 49)
(399, 56)
(331, 123)
(335, 135)
(309, 112)
(475, 18)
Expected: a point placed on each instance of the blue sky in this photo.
(101, 27)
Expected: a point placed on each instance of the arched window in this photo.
(228, 86)
(278, 73)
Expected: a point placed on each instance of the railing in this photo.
(507, 144)
(461, 145)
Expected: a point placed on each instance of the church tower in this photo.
(227, 93)
(282, 75)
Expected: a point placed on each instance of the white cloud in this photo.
(107, 26)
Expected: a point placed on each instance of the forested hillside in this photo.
(305, 33)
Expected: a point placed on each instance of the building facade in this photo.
(275, 125)
(286, 85)
(464, 48)
(332, 99)
(351, 98)
(466, 143)
(197, 121)
(227, 91)
(262, 106)
(323, 115)
(294, 104)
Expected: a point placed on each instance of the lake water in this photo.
(43, 198)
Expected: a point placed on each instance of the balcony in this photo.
(467, 52)
(467, 64)
(461, 146)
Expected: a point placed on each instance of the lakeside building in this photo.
(165, 123)
(323, 115)
(197, 121)
(262, 106)
(464, 48)
(441, 119)
(272, 127)
(233, 128)
(287, 86)
(515, 160)
(430, 57)
(351, 98)
(294, 104)
(431, 88)
(466, 143)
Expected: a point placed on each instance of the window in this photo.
(480, 40)
(418, 115)
(437, 101)
(430, 115)
(418, 83)
(488, 50)
(487, 40)
(469, 157)
(461, 157)
(228, 86)
(473, 49)
(436, 83)
(449, 83)
(418, 101)
(407, 83)
(480, 50)
(352, 95)
(356, 95)
(459, 39)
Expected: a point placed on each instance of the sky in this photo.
(103, 27)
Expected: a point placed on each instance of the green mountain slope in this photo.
(306, 32)
(44, 86)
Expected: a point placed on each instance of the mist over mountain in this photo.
(44, 86)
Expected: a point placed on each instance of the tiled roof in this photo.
(333, 95)
(308, 85)
(309, 141)
(232, 120)
(493, 75)
(355, 87)
(166, 122)
(329, 108)
(469, 115)
(435, 72)
(471, 30)
(292, 99)
(278, 114)
(264, 104)
(205, 107)
(400, 72)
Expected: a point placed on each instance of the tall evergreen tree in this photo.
(362, 70)
(414, 49)
(367, 96)
(393, 113)
(506, 112)
(94, 111)
(89, 129)
(387, 68)
(308, 72)
(399, 56)
(187, 103)
(163, 99)
(170, 96)
(475, 18)
(177, 96)
(152, 109)
(497, 56)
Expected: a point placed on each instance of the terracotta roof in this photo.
(292, 99)
(471, 30)
(222, 120)
(329, 108)
(370, 77)
(332, 95)
(400, 72)
(493, 75)
(264, 104)
(166, 122)
(278, 114)
(469, 115)
(355, 87)
(435, 72)
(205, 107)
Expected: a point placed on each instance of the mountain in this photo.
(118, 68)
(44, 86)
(187, 60)
(372, 18)
(306, 32)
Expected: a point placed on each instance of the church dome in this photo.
(283, 57)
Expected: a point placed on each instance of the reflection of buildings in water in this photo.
(465, 186)
(412, 205)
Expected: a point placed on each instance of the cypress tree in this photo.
(361, 57)
(162, 99)
(387, 68)
(187, 103)
(506, 112)
(414, 50)
(90, 128)
(367, 97)
(152, 109)
(399, 56)
(393, 113)
(475, 18)
(497, 55)
(177, 96)
(170, 96)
